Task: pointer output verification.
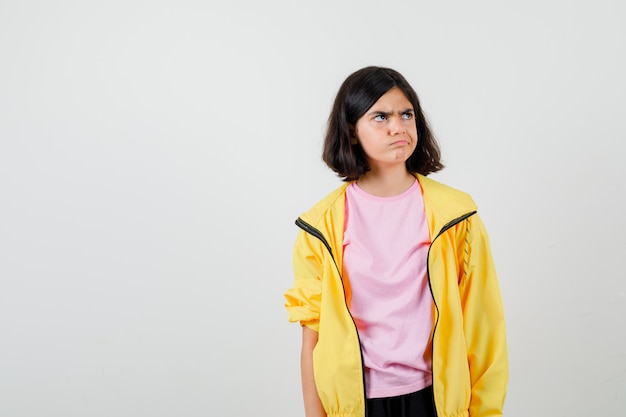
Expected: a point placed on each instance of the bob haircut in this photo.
(355, 97)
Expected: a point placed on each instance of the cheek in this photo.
(368, 136)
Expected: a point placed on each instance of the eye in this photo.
(380, 117)
(407, 115)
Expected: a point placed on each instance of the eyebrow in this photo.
(386, 113)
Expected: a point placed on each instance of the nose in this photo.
(396, 126)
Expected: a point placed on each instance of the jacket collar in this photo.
(443, 204)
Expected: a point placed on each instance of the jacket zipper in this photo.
(316, 233)
(442, 231)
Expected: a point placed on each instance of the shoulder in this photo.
(440, 191)
(445, 199)
(333, 200)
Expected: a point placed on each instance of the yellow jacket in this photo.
(469, 357)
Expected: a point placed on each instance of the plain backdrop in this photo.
(155, 154)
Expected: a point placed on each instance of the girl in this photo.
(394, 286)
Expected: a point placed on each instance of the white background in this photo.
(155, 154)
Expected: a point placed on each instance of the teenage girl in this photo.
(395, 287)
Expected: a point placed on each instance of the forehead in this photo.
(395, 97)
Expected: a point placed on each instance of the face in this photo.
(387, 131)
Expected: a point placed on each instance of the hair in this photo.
(355, 97)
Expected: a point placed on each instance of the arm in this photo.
(303, 303)
(484, 326)
(312, 404)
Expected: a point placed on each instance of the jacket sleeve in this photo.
(303, 299)
(484, 323)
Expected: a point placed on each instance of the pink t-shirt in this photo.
(386, 243)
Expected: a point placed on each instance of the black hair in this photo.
(355, 97)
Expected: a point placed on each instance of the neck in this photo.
(386, 183)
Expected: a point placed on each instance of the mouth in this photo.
(401, 142)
